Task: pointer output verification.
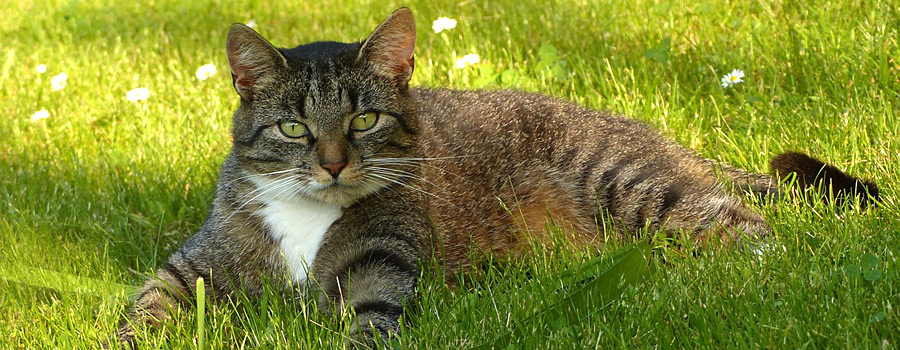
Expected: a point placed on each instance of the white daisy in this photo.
(732, 78)
(59, 81)
(252, 24)
(442, 24)
(41, 68)
(468, 60)
(138, 94)
(41, 114)
(205, 71)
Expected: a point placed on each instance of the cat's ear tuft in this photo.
(253, 60)
(389, 50)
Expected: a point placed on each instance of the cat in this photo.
(343, 178)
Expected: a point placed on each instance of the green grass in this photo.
(105, 189)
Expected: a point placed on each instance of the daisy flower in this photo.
(138, 94)
(442, 24)
(732, 78)
(41, 114)
(41, 68)
(205, 71)
(59, 81)
(468, 60)
(252, 24)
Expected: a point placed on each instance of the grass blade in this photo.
(201, 312)
(603, 279)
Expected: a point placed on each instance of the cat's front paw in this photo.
(122, 339)
(367, 335)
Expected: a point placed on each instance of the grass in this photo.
(105, 189)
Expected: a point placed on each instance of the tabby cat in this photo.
(342, 177)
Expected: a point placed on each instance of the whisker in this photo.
(429, 158)
(383, 185)
(278, 183)
(261, 174)
(416, 163)
(406, 174)
(293, 189)
(387, 178)
(265, 174)
(299, 184)
(266, 186)
(375, 185)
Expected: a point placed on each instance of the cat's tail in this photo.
(828, 181)
(805, 173)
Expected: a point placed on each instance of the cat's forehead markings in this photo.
(325, 95)
(346, 102)
(310, 101)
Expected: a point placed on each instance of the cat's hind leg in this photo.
(732, 222)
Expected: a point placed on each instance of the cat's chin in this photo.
(341, 193)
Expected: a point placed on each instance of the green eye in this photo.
(293, 129)
(364, 122)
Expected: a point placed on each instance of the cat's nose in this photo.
(334, 168)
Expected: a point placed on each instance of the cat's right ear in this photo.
(253, 60)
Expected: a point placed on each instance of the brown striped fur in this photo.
(449, 172)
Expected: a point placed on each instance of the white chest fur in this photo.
(299, 226)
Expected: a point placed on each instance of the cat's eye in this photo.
(293, 129)
(364, 121)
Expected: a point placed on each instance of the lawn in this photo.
(99, 190)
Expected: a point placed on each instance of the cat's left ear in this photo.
(389, 50)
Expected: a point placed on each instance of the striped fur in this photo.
(364, 206)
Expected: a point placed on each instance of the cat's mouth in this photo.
(345, 190)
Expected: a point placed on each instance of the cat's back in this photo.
(522, 125)
(495, 112)
(542, 158)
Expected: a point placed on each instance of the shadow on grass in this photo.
(131, 213)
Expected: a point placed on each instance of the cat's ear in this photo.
(253, 60)
(389, 50)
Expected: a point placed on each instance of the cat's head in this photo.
(326, 120)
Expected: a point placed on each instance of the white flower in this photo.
(468, 60)
(732, 78)
(138, 94)
(442, 24)
(41, 68)
(59, 81)
(205, 71)
(41, 114)
(252, 24)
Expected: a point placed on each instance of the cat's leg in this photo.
(731, 222)
(172, 288)
(368, 266)
(373, 277)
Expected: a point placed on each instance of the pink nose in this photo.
(334, 168)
